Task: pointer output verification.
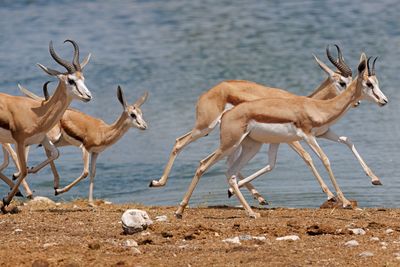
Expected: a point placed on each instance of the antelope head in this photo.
(73, 79)
(343, 77)
(370, 85)
(133, 111)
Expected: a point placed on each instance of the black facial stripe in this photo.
(373, 91)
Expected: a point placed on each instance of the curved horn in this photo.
(75, 61)
(339, 63)
(369, 70)
(46, 90)
(70, 68)
(373, 66)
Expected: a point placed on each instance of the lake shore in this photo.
(74, 234)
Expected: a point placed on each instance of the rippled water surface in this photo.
(178, 49)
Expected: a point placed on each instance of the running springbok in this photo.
(250, 124)
(91, 134)
(25, 121)
(214, 102)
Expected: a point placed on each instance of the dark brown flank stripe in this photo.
(4, 125)
(71, 133)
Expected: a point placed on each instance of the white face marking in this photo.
(341, 83)
(371, 91)
(77, 87)
(274, 132)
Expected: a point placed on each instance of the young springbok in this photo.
(25, 121)
(275, 121)
(91, 134)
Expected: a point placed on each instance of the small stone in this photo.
(383, 243)
(389, 231)
(162, 218)
(357, 231)
(107, 202)
(351, 243)
(216, 234)
(167, 234)
(18, 230)
(47, 245)
(245, 237)
(136, 251)
(366, 254)
(94, 246)
(183, 246)
(75, 206)
(396, 254)
(233, 240)
(130, 243)
(260, 238)
(40, 263)
(374, 238)
(134, 221)
(39, 199)
(288, 237)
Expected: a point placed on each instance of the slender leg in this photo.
(233, 183)
(22, 163)
(261, 200)
(332, 136)
(85, 157)
(204, 165)
(53, 170)
(316, 148)
(296, 146)
(6, 160)
(54, 153)
(92, 175)
(272, 153)
(180, 143)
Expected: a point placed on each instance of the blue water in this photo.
(178, 49)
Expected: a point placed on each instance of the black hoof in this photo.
(178, 216)
(377, 182)
(5, 202)
(151, 184)
(55, 192)
(15, 177)
(263, 203)
(230, 194)
(19, 194)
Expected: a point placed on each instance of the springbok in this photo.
(25, 121)
(91, 134)
(250, 124)
(214, 102)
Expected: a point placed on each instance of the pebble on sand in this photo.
(351, 243)
(288, 237)
(134, 221)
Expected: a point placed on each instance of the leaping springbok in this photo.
(24, 121)
(214, 102)
(91, 134)
(250, 124)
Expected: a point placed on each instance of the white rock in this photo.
(374, 238)
(136, 251)
(162, 218)
(18, 230)
(351, 243)
(357, 231)
(260, 238)
(39, 199)
(216, 234)
(396, 254)
(47, 245)
(383, 243)
(389, 231)
(288, 237)
(134, 221)
(130, 243)
(233, 240)
(107, 202)
(245, 237)
(366, 254)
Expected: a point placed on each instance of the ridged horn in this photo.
(339, 63)
(368, 68)
(75, 60)
(70, 68)
(373, 66)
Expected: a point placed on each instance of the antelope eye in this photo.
(133, 115)
(342, 84)
(369, 84)
(71, 82)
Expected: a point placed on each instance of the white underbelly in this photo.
(274, 132)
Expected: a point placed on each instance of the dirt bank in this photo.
(73, 234)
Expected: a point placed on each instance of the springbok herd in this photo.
(249, 115)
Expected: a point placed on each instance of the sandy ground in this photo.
(73, 234)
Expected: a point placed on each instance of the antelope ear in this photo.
(363, 57)
(49, 71)
(121, 97)
(28, 93)
(142, 99)
(85, 61)
(324, 67)
(46, 90)
(361, 67)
